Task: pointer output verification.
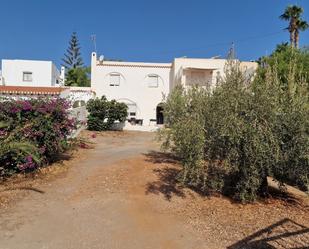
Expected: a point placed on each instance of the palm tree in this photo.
(293, 14)
(302, 26)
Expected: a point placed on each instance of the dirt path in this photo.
(84, 210)
(123, 194)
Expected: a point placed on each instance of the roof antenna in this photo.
(231, 53)
(94, 40)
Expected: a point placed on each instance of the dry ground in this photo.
(123, 194)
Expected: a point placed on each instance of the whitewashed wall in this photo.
(44, 73)
(81, 94)
(181, 71)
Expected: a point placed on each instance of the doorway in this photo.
(160, 116)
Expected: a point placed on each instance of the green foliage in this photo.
(103, 113)
(230, 139)
(184, 133)
(292, 130)
(72, 58)
(12, 152)
(78, 77)
(287, 61)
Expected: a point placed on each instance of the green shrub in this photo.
(103, 113)
(184, 133)
(281, 59)
(232, 138)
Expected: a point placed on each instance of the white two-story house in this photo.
(142, 86)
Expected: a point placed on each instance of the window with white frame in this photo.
(153, 80)
(27, 76)
(114, 79)
(132, 109)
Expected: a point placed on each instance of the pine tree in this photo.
(72, 59)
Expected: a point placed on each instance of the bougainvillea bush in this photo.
(32, 133)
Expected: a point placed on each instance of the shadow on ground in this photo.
(18, 181)
(285, 234)
(167, 183)
(168, 177)
(161, 157)
(25, 188)
(58, 158)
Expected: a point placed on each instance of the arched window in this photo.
(114, 79)
(153, 80)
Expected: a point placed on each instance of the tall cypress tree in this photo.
(72, 58)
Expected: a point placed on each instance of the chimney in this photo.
(62, 75)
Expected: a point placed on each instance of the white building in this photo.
(142, 86)
(204, 72)
(30, 73)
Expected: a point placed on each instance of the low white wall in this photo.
(81, 93)
(80, 113)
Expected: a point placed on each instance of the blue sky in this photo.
(144, 30)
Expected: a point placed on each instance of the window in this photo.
(132, 108)
(153, 80)
(27, 76)
(114, 79)
(196, 78)
(79, 103)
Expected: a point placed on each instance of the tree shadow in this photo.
(158, 157)
(167, 183)
(61, 157)
(286, 234)
(288, 198)
(25, 188)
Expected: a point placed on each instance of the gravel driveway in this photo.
(80, 211)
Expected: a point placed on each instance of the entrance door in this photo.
(160, 117)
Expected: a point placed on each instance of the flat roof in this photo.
(27, 60)
(133, 64)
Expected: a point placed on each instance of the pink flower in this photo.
(26, 106)
(14, 109)
(29, 164)
(2, 133)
